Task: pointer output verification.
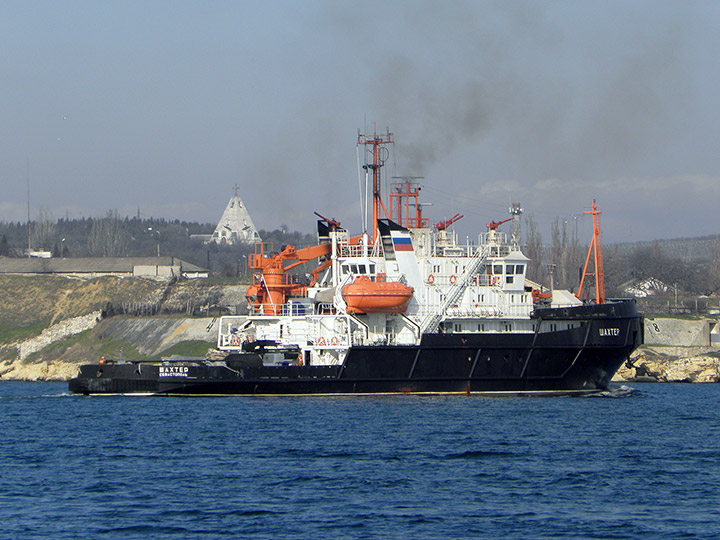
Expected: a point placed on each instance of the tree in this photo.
(534, 250)
(566, 255)
(558, 253)
(712, 284)
(4, 247)
(43, 230)
(652, 262)
(108, 236)
(614, 267)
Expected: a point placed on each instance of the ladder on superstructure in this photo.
(476, 264)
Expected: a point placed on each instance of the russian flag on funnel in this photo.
(402, 244)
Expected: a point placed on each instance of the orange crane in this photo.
(332, 222)
(273, 285)
(442, 225)
(495, 224)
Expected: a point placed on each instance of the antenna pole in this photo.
(516, 213)
(376, 142)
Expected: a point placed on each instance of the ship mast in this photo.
(596, 250)
(377, 144)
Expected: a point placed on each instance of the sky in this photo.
(161, 107)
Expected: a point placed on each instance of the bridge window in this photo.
(497, 269)
(519, 268)
(361, 269)
(510, 269)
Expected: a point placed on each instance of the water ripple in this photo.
(406, 466)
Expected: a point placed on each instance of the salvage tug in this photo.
(403, 308)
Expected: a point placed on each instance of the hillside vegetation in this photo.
(32, 303)
(35, 345)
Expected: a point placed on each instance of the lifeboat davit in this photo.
(364, 295)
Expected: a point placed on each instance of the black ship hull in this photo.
(581, 356)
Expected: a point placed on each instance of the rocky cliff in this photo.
(58, 351)
(671, 364)
(676, 350)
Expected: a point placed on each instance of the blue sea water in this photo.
(640, 462)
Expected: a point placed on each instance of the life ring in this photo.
(334, 341)
(235, 340)
(431, 279)
(321, 341)
(453, 279)
(496, 281)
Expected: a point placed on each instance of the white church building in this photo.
(235, 225)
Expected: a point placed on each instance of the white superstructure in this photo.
(390, 287)
(476, 288)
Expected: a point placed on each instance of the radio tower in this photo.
(516, 212)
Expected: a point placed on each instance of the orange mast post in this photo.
(377, 143)
(404, 195)
(596, 250)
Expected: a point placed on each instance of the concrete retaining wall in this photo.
(56, 332)
(677, 332)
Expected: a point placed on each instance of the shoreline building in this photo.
(235, 225)
(93, 267)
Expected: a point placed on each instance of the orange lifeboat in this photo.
(366, 296)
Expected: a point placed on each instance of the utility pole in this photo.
(28, 205)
